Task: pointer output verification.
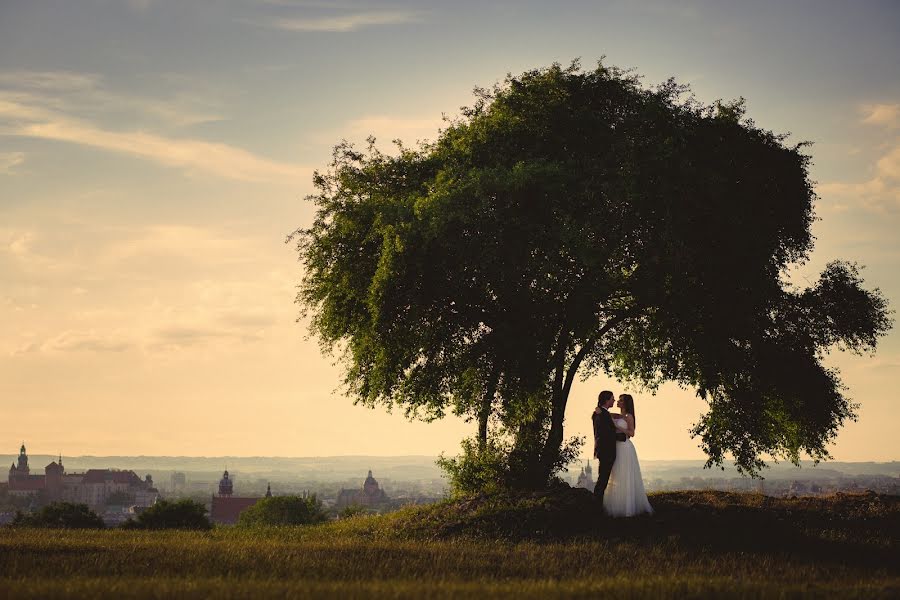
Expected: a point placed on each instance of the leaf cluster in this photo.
(61, 515)
(167, 514)
(284, 510)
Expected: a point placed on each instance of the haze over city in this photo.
(154, 156)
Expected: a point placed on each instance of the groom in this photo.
(605, 436)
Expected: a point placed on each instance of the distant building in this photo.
(586, 478)
(370, 496)
(227, 508)
(178, 481)
(93, 487)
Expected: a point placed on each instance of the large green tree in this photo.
(572, 222)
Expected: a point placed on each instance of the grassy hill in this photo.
(552, 544)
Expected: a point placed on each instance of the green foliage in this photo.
(165, 514)
(497, 466)
(61, 515)
(574, 222)
(478, 469)
(284, 510)
(354, 510)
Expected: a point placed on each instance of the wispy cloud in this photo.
(222, 160)
(344, 22)
(78, 341)
(9, 161)
(880, 192)
(76, 108)
(884, 115)
(83, 95)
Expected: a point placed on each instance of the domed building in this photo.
(370, 496)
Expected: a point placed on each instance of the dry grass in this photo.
(697, 545)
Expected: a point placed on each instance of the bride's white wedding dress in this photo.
(625, 495)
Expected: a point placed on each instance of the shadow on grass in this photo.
(848, 529)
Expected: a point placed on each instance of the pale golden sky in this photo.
(153, 156)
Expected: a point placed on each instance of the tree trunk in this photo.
(561, 388)
(484, 412)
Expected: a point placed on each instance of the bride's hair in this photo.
(629, 406)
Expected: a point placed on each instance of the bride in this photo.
(625, 495)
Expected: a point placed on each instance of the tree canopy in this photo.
(169, 514)
(61, 515)
(284, 510)
(574, 222)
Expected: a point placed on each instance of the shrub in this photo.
(354, 510)
(183, 514)
(500, 466)
(61, 515)
(477, 470)
(284, 510)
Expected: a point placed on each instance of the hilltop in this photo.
(527, 546)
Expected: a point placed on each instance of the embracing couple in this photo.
(619, 485)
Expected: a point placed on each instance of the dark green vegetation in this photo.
(538, 546)
(166, 514)
(61, 515)
(284, 510)
(575, 222)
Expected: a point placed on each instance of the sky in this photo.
(155, 154)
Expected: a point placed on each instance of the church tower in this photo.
(21, 469)
(370, 487)
(226, 486)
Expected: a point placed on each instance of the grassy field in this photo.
(546, 545)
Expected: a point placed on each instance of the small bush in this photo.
(477, 470)
(61, 515)
(501, 467)
(284, 510)
(183, 514)
(354, 510)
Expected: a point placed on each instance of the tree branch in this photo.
(587, 347)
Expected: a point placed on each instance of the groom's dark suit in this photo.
(605, 435)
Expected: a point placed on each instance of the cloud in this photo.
(19, 243)
(9, 161)
(888, 166)
(344, 23)
(183, 332)
(181, 241)
(879, 193)
(49, 81)
(76, 108)
(247, 319)
(82, 94)
(884, 115)
(81, 341)
(213, 158)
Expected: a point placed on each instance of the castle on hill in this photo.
(93, 487)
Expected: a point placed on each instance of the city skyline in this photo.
(154, 156)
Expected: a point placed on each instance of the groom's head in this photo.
(605, 399)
